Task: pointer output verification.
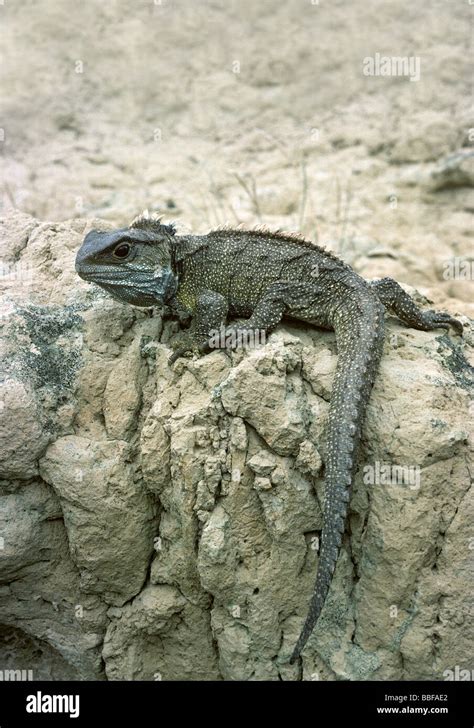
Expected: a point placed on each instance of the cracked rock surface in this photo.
(163, 523)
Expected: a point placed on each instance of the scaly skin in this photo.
(264, 276)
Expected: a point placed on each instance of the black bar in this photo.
(156, 703)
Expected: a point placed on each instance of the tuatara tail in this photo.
(359, 335)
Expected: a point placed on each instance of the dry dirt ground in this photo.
(257, 113)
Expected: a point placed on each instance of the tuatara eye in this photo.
(122, 250)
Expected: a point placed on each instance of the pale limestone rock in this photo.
(105, 510)
(174, 531)
(22, 434)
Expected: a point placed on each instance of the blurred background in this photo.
(262, 113)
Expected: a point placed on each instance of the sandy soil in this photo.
(223, 112)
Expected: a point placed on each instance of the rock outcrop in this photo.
(163, 523)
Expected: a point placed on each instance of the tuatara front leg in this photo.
(209, 315)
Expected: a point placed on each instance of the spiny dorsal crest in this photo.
(145, 221)
(279, 236)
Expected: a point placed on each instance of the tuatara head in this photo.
(133, 264)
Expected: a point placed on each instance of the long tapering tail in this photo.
(359, 334)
